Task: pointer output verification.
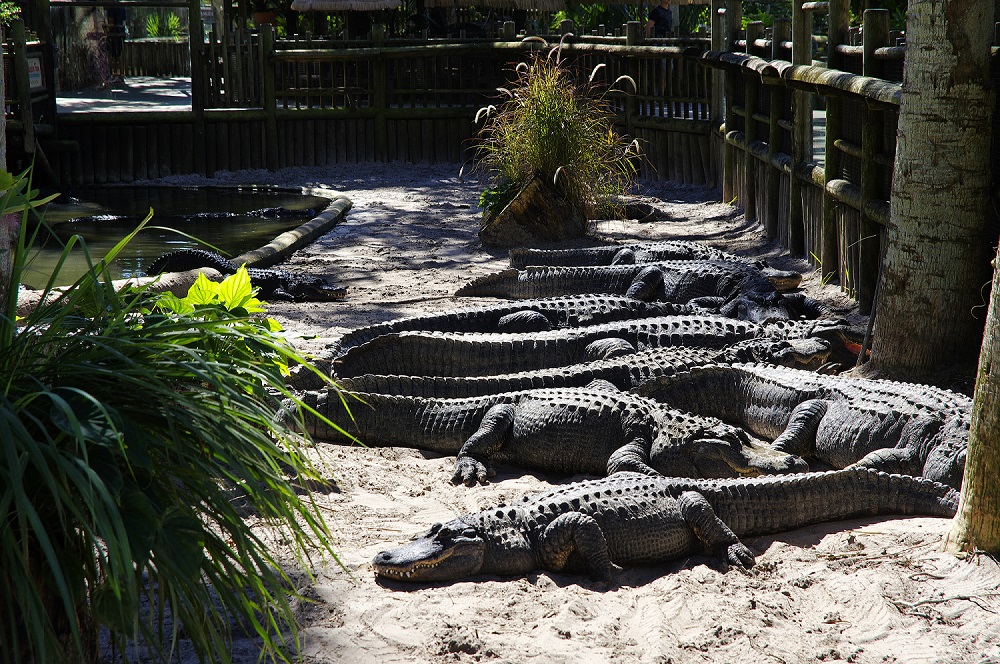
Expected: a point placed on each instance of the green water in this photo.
(228, 218)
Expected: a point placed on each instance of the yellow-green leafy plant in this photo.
(137, 432)
(552, 125)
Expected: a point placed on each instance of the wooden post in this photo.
(566, 26)
(876, 35)
(802, 134)
(633, 37)
(780, 32)
(829, 257)
(838, 25)
(509, 31)
(751, 89)
(196, 45)
(18, 39)
(267, 64)
(379, 97)
(718, 75)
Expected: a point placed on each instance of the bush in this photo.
(137, 430)
(550, 125)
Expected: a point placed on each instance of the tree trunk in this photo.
(936, 261)
(977, 524)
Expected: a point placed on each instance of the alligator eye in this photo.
(470, 533)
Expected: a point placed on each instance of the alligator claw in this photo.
(470, 472)
(739, 556)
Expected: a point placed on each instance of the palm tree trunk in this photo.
(977, 524)
(936, 261)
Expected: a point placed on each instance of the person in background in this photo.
(116, 34)
(661, 20)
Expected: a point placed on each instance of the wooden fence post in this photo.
(751, 90)
(267, 64)
(18, 38)
(780, 32)
(802, 123)
(633, 37)
(876, 35)
(196, 46)
(379, 102)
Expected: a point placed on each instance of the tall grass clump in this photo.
(138, 431)
(552, 126)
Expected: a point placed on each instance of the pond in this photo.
(234, 219)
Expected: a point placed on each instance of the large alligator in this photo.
(478, 354)
(272, 284)
(666, 281)
(522, 316)
(898, 427)
(622, 254)
(624, 372)
(594, 430)
(627, 519)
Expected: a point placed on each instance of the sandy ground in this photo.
(856, 591)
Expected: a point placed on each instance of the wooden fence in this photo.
(804, 146)
(827, 200)
(262, 104)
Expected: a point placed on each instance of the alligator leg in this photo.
(486, 442)
(624, 256)
(581, 533)
(712, 531)
(605, 349)
(799, 437)
(524, 321)
(632, 457)
(899, 460)
(647, 284)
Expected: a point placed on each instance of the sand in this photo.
(870, 590)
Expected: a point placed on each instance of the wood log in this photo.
(538, 213)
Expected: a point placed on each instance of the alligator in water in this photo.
(624, 372)
(623, 254)
(272, 284)
(628, 519)
(840, 420)
(536, 315)
(594, 430)
(480, 354)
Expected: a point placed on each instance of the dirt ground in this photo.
(857, 591)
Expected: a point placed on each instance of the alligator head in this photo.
(446, 552)
(783, 280)
(725, 457)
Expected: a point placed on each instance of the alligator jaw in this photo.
(446, 552)
(724, 459)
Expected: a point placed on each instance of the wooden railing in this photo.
(827, 200)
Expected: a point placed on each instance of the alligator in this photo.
(594, 430)
(627, 519)
(272, 284)
(666, 281)
(624, 372)
(478, 354)
(536, 315)
(839, 420)
(623, 254)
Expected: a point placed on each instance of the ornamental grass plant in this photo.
(137, 432)
(553, 126)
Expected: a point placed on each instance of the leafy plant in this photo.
(552, 126)
(153, 25)
(137, 431)
(8, 11)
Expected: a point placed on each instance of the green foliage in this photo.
(156, 26)
(561, 130)
(765, 12)
(138, 431)
(588, 16)
(9, 11)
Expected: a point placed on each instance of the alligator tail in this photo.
(498, 284)
(784, 502)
